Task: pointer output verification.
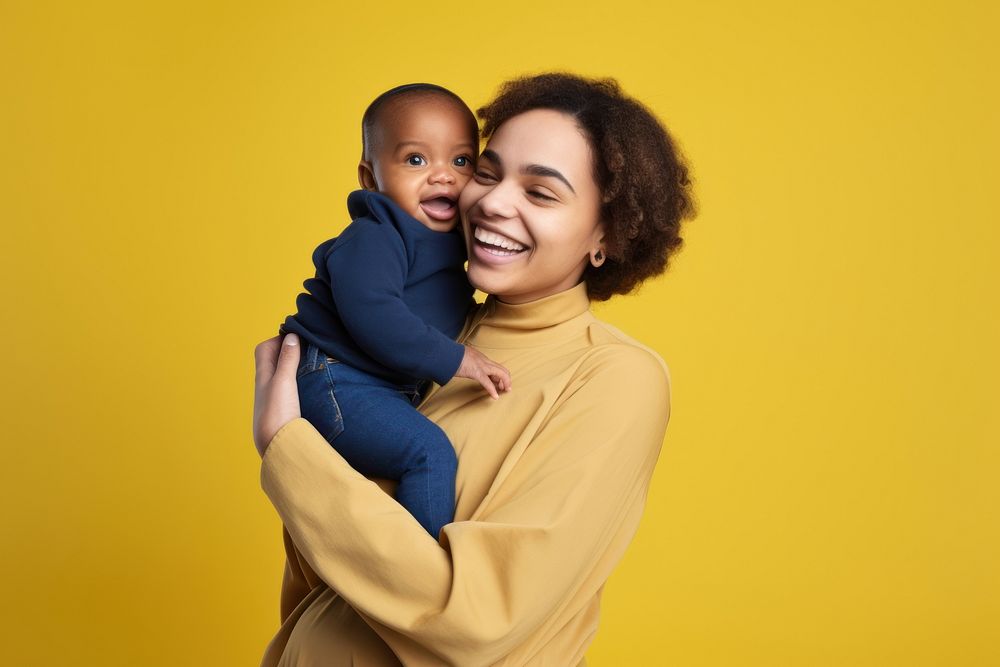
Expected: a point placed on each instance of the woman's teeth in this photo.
(502, 244)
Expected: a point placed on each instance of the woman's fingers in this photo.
(276, 397)
(265, 359)
(288, 358)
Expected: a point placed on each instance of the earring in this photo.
(597, 259)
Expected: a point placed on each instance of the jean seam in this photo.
(333, 399)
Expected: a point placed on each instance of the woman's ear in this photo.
(597, 257)
(366, 176)
(597, 252)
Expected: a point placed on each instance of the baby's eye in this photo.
(416, 160)
(463, 161)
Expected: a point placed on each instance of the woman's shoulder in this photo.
(615, 375)
(612, 345)
(631, 375)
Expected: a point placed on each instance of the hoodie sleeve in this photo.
(367, 273)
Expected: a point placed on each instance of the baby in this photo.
(389, 297)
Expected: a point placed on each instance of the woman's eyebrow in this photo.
(539, 170)
(533, 169)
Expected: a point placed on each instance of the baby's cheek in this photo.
(470, 193)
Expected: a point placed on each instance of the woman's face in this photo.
(530, 212)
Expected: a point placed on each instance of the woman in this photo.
(578, 196)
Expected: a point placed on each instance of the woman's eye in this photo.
(484, 176)
(540, 195)
(416, 161)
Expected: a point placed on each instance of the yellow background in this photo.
(828, 490)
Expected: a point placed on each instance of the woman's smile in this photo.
(493, 240)
(492, 247)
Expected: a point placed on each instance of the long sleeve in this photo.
(367, 274)
(557, 524)
(297, 580)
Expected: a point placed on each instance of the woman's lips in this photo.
(492, 248)
(439, 208)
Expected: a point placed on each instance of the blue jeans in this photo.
(375, 426)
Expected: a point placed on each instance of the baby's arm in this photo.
(367, 272)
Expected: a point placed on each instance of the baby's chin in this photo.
(435, 225)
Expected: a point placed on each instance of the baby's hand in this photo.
(477, 366)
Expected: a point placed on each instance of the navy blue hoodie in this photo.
(389, 296)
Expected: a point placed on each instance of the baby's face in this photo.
(423, 156)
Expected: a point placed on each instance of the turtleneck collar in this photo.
(497, 319)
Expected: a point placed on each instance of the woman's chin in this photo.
(482, 280)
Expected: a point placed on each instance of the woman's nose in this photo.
(498, 202)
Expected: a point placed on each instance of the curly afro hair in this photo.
(644, 182)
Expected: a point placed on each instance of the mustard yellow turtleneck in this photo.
(551, 484)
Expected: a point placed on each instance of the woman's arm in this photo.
(554, 529)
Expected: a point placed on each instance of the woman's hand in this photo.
(276, 394)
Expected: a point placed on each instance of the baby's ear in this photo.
(366, 176)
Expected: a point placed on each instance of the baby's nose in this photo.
(442, 176)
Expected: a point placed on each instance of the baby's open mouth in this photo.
(439, 208)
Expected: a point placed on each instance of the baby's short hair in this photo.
(371, 116)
